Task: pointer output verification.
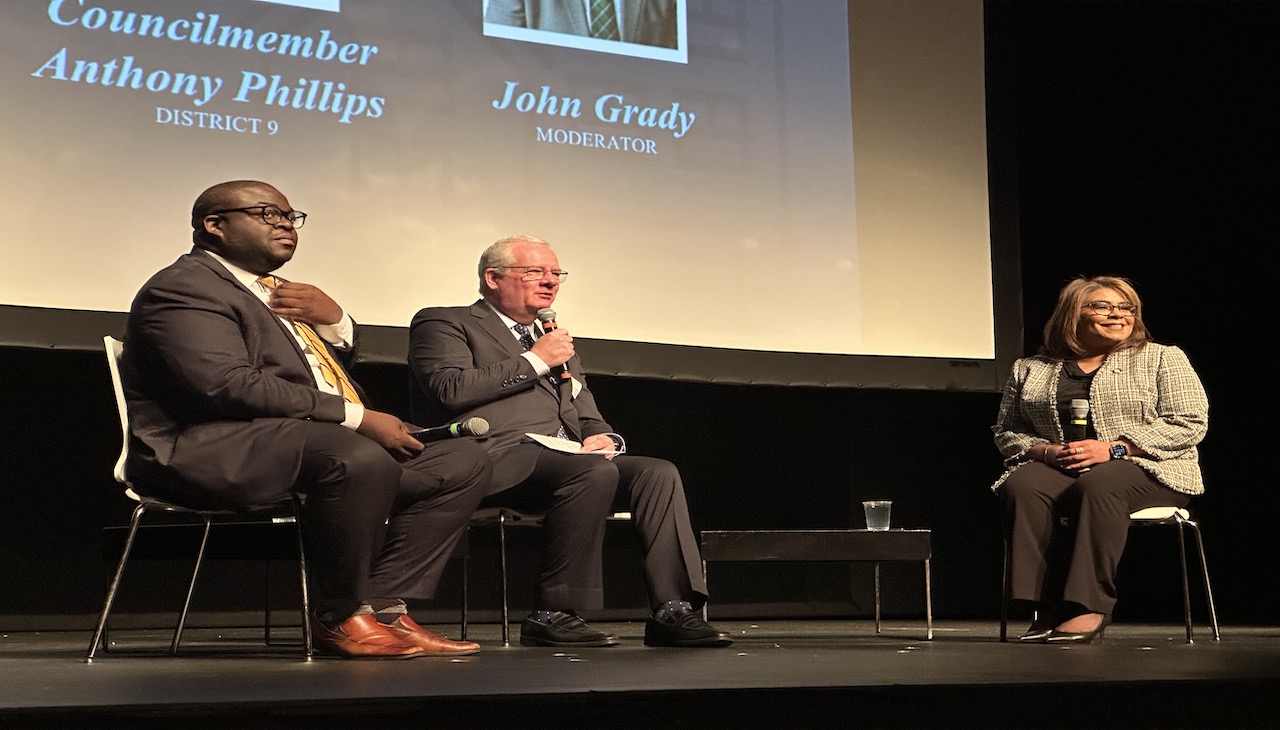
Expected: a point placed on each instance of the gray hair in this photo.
(499, 254)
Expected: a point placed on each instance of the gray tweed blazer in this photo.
(1149, 395)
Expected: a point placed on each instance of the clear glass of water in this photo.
(877, 511)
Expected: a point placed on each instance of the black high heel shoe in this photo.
(1034, 636)
(1079, 637)
(1038, 631)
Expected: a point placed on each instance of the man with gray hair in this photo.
(493, 360)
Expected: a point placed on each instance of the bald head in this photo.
(225, 195)
(230, 219)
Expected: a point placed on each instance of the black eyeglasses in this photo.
(1124, 309)
(535, 273)
(271, 215)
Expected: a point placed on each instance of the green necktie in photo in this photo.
(604, 20)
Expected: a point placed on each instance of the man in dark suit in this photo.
(649, 22)
(490, 360)
(236, 396)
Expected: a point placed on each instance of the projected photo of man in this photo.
(644, 22)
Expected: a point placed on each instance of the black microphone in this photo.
(474, 426)
(548, 319)
(1079, 419)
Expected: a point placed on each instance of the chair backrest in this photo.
(115, 348)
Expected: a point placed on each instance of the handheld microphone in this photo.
(1079, 419)
(474, 426)
(548, 319)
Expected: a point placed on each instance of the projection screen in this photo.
(742, 191)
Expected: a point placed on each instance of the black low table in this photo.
(826, 545)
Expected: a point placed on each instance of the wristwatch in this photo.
(1119, 451)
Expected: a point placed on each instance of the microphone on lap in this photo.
(548, 319)
(1079, 419)
(474, 426)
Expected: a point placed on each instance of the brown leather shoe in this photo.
(432, 644)
(362, 636)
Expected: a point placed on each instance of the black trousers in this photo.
(577, 492)
(1066, 532)
(377, 528)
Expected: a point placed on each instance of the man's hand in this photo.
(304, 303)
(600, 442)
(554, 347)
(390, 433)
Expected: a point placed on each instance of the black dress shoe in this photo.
(565, 629)
(683, 628)
(1079, 637)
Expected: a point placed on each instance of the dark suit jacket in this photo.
(464, 362)
(651, 22)
(213, 381)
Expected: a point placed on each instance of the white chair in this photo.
(284, 511)
(1176, 516)
(1181, 519)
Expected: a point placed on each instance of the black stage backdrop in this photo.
(1140, 140)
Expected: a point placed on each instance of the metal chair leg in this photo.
(307, 647)
(928, 603)
(1204, 575)
(266, 601)
(1186, 588)
(1004, 596)
(115, 582)
(705, 606)
(191, 588)
(877, 578)
(502, 544)
(466, 574)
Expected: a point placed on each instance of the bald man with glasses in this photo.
(238, 395)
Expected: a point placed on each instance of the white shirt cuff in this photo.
(539, 366)
(355, 415)
(341, 335)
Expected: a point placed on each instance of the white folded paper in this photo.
(568, 446)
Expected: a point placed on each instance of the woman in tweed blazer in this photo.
(1067, 495)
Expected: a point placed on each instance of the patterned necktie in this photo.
(604, 20)
(526, 341)
(526, 337)
(330, 369)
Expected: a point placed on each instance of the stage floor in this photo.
(804, 673)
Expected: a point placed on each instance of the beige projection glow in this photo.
(765, 224)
